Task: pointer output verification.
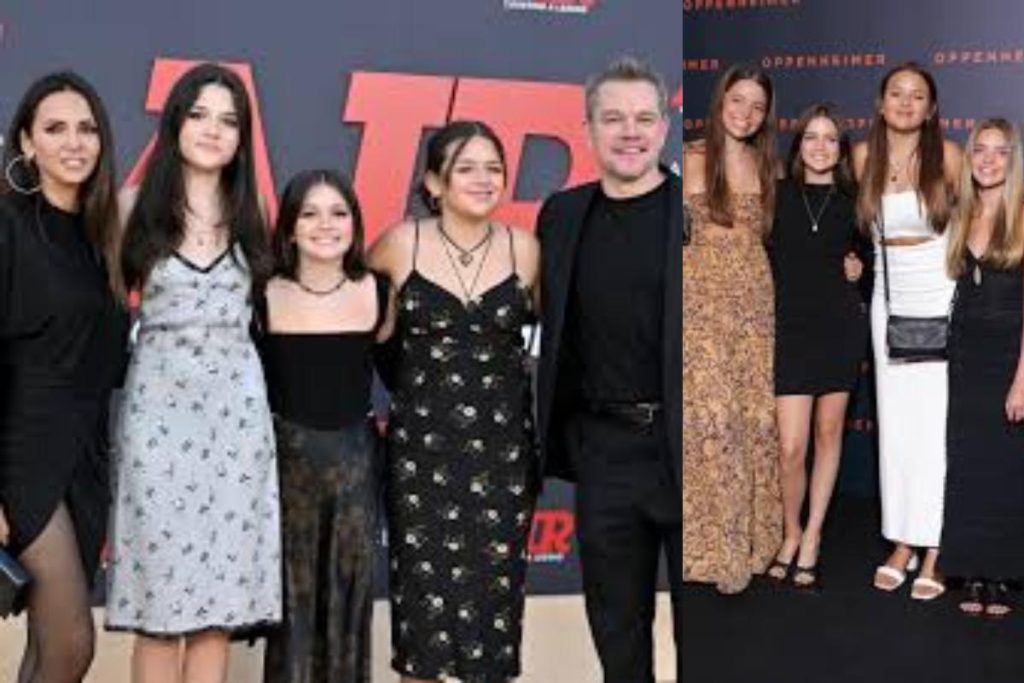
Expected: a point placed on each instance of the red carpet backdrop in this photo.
(838, 51)
(357, 85)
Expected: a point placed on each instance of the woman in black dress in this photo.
(821, 328)
(62, 339)
(323, 311)
(461, 471)
(983, 528)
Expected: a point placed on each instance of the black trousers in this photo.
(629, 510)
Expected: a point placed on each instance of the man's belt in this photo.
(640, 414)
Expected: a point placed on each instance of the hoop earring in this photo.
(433, 203)
(9, 175)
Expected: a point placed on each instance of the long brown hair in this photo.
(1006, 246)
(763, 142)
(931, 185)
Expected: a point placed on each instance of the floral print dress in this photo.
(195, 531)
(460, 482)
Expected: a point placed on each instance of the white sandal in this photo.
(929, 588)
(898, 576)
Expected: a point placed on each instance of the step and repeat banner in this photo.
(838, 51)
(358, 85)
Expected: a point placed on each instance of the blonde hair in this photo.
(1006, 247)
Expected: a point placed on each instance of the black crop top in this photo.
(320, 380)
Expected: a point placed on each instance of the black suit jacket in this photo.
(559, 226)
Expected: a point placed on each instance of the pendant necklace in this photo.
(465, 255)
(321, 292)
(897, 169)
(470, 302)
(816, 219)
(977, 274)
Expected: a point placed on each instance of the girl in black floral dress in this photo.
(461, 467)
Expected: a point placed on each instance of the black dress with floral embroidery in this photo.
(460, 481)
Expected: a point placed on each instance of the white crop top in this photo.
(904, 215)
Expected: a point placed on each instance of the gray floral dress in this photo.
(195, 537)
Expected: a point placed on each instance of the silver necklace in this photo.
(816, 219)
(321, 292)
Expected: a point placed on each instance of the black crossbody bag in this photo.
(911, 339)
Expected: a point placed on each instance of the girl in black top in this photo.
(62, 332)
(820, 331)
(322, 314)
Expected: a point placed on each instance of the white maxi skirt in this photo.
(911, 398)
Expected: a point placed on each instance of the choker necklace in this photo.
(816, 219)
(321, 292)
(465, 255)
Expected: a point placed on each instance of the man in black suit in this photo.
(610, 378)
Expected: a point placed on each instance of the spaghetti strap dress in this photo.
(460, 483)
(195, 533)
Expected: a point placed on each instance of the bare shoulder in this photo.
(393, 238)
(391, 253)
(859, 155)
(524, 242)
(278, 288)
(526, 251)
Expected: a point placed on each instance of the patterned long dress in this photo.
(460, 482)
(732, 502)
(195, 534)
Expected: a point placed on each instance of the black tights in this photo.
(61, 637)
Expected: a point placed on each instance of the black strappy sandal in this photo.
(975, 597)
(997, 595)
(786, 567)
(811, 576)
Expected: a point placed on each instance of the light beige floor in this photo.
(557, 647)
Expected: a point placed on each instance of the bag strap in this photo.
(880, 223)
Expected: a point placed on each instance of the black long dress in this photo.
(983, 527)
(820, 324)
(62, 350)
(460, 481)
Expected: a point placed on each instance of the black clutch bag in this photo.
(14, 580)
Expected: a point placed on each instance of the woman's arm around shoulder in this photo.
(859, 155)
(693, 168)
(952, 160)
